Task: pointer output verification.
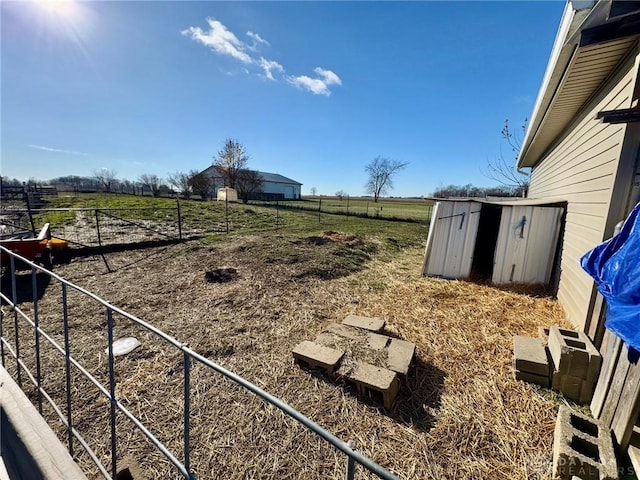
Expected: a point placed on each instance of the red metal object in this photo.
(34, 248)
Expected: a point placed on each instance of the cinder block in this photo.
(399, 355)
(573, 353)
(313, 355)
(542, 380)
(530, 356)
(368, 323)
(373, 382)
(376, 341)
(569, 352)
(582, 447)
(571, 387)
(586, 392)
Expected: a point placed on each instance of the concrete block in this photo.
(530, 356)
(367, 323)
(345, 331)
(312, 355)
(582, 447)
(568, 351)
(376, 341)
(571, 387)
(586, 392)
(399, 355)
(373, 382)
(542, 380)
(573, 353)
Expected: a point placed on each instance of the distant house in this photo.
(274, 186)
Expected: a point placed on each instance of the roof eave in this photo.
(576, 16)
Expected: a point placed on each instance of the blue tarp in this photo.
(615, 267)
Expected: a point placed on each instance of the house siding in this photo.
(581, 168)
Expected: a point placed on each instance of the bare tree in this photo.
(248, 183)
(231, 165)
(313, 191)
(341, 194)
(505, 172)
(381, 171)
(230, 161)
(152, 182)
(106, 177)
(180, 181)
(201, 184)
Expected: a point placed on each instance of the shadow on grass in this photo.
(24, 285)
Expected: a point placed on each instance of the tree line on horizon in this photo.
(231, 167)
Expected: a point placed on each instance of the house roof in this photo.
(266, 176)
(590, 43)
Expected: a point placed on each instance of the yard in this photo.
(460, 414)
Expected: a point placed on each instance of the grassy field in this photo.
(212, 218)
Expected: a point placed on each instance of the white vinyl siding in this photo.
(581, 169)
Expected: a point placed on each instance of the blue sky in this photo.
(314, 91)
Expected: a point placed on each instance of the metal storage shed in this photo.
(508, 241)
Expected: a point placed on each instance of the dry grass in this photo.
(460, 414)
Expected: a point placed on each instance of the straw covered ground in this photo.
(460, 413)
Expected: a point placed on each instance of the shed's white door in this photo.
(526, 244)
(451, 239)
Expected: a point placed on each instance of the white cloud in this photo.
(257, 38)
(224, 42)
(58, 150)
(268, 66)
(220, 40)
(328, 76)
(317, 86)
(314, 85)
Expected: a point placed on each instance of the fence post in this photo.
(226, 211)
(179, 219)
(112, 393)
(347, 206)
(36, 325)
(33, 227)
(351, 464)
(277, 214)
(14, 299)
(98, 228)
(187, 410)
(367, 212)
(319, 209)
(67, 365)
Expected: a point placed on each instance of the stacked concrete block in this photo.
(582, 448)
(530, 361)
(315, 356)
(575, 362)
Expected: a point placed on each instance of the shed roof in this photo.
(590, 43)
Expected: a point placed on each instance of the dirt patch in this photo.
(221, 275)
(459, 414)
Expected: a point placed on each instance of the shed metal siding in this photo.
(581, 168)
(526, 244)
(452, 239)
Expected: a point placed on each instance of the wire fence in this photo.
(111, 228)
(415, 212)
(27, 349)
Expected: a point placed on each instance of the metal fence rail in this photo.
(182, 465)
